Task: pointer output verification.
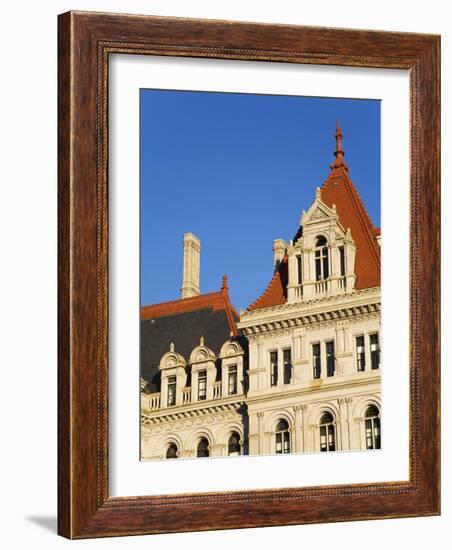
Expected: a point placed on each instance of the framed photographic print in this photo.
(248, 275)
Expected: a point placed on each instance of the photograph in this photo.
(260, 290)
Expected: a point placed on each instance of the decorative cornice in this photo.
(365, 379)
(308, 320)
(165, 416)
(307, 304)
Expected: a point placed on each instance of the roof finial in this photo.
(224, 285)
(338, 136)
(171, 346)
(339, 153)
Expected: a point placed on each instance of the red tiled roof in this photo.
(276, 292)
(213, 300)
(338, 189)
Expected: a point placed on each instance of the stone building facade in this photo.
(298, 371)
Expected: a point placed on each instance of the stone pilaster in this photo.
(299, 428)
(260, 423)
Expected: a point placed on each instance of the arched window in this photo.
(327, 433)
(234, 444)
(372, 426)
(322, 265)
(282, 437)
(172, 451)
(203, 448)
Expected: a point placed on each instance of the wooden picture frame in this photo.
(86, 40)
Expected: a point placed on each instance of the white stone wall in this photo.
(215, 423)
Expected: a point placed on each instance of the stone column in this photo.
(253, 444)
(348, 402)
(350, 254)
(344, 423)
(187, 453)
(314, 438)
(253, 434)
(218, 449)
(357, 433)
(268, 443)
(263, 361)
(260, 423)
(308, 272)
(335, 267)
(344, 354)
(253, 371)
(338, 428)
(299, 428)
(293, 279)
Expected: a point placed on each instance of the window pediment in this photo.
(172, 359)
(201, 354)
(318, 212)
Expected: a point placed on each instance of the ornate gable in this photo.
(318, 212)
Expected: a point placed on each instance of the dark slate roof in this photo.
(184, 330)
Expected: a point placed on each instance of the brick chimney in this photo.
(192, 253)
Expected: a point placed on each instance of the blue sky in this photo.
(237, 170)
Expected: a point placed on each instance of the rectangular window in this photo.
(327, 439)
(342, 260)
(171, 391)
(372, 427)
(374, 352)
(360, 354)
(282, 443)
(316, 360)
(287, 359)
(300, 272)
(322, 268)
(202, 385)
(330, 359)
(273, 368)
(318, 266)
(232, 380)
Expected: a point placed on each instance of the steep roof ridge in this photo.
(272, 286)
(366, 220)
(226, 304)
(361, 211)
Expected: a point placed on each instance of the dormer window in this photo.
(202, 385)
(322, 270)
(232, 380)
(171, 391)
